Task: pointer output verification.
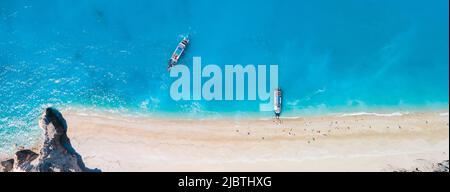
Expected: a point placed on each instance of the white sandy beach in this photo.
(359, 142)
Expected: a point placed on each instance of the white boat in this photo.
(178, 52)
(277, 102)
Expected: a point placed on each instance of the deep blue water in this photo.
(346, 55)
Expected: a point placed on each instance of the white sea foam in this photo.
(82, 114)
(272, 118)
(443, 114)
(375, 114)
(292, 117)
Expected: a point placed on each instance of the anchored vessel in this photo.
(277, 102)
(178, 52)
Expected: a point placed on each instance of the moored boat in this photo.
(277, 102)
(178, 53)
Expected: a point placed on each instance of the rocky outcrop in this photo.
(56, 153)
(442, 167)
(6, 166)
(426, 166)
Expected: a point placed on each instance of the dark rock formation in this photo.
(24, 159)
(7, 165)
(441, 167)
(56, 153)
(426, 166)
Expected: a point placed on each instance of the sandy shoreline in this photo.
(362, 142)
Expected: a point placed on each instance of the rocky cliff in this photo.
(56, 154)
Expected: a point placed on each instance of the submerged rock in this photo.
(56, 153)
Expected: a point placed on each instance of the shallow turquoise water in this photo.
(333, 56)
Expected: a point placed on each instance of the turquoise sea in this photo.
(333, 55)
